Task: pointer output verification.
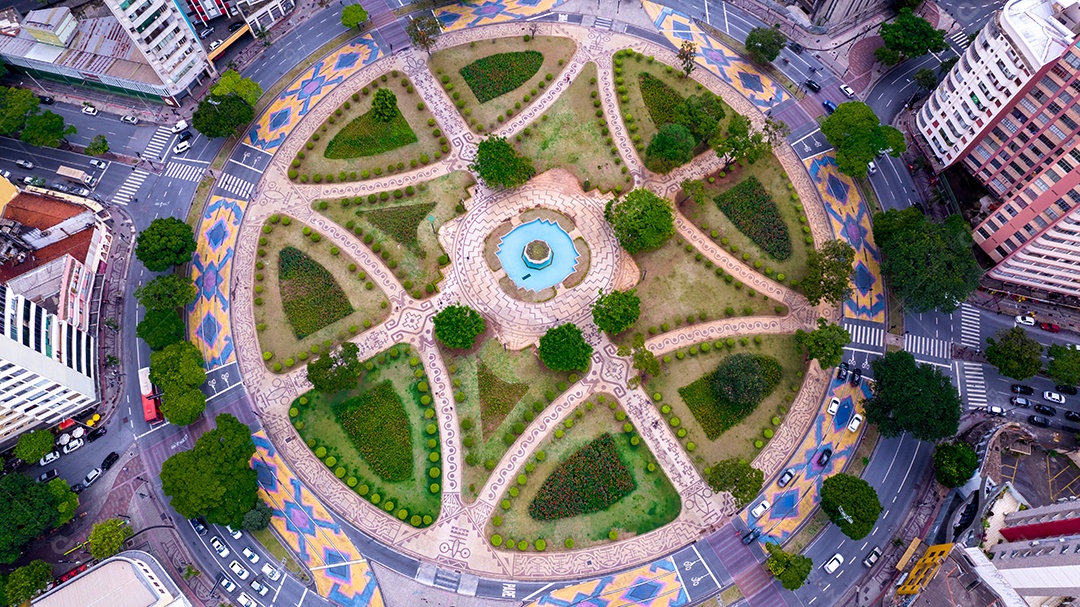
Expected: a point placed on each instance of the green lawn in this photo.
(366, 135)
(274, 546)
(317, 311)
(383, 436)
(503, 392)
(650, 504)
(738, 440)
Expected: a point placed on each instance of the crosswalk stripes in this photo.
(158, 142)
(869, 336)
(928, 346)
(970, 325)
(184, 171)
(960, 39)
(240, 187)
(602, 23)
(131, 185)
(974, 386)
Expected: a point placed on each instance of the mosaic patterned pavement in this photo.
(851, 221)
(717, 58)
(461, 16)
(792, 504)
(209, 321)
(654, 585)
(310, 532)
(277, 120)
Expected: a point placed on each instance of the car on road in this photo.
(1046, 410)
(74, 445)
(220, 547)
(1020, 401)
(91, 476)
(246, 601)
(49, 458)
(235, 533)
(81, 192)
(834, 563)
(829, 106)
(89, 110)
(786, 477)
(760, 509)
(1071, 390)
(871, 168)
(181, 147)
(996, 411)
(259, 588)
(77, 488)
(109, 460)
(179, 126)
(33, 180)
(1022, 389)
(826, 455)
(235, 26)
(841, 372)
(101, 164)
(1054, 397)
(59, 187)
(206, 33)
(834, 406)
(750, 537)
(1049, 326)
(1027, 321)
(227, 584)
(795, 47)
(6, 174)
(872, 558)
(813, 86)
(856, 421)
(856, 377)
(96, 433)
(1072, 416)
(26, 164)
(272, 574)
(129, 119)
(846, 90)
(239, 570)
(215, 44)
(184, 136)
(198, 525)
(47, 476)
(45, 99)
(250, 555)
(1040, 421)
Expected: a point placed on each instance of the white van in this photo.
(179, 126)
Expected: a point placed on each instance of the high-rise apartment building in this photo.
(1008, 110)
(1041, 556)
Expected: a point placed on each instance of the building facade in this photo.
(1007, 110)
(1041, 556)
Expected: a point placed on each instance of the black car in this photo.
(1020, 401)
(184, 136)
(1072, 416)
(96, 433)
(1038, 420)
(825, 456)
(786, 477)
(795, 47)
(46, 100)
(856, 377)
(1066, 389)
(750, 537)
(1045, 409)
(841, 372)
(77, 488)
(198, 525)
(236, 26)
(109, 460)
(1022, 389)
(813, 86)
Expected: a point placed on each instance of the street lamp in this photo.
(844, 515)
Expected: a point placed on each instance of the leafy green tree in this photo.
(160, 328)
(33, 446)
(182, 406)
(165, 243)
(107, 538)
(700, 114)
(790, 568)
(458, 326)
(644, 360)
(851, 504)
(886, 55)
(167, 292)
(671, 146)
(742, 380)
(642, 220)
(178, 367)
(1014, 353)
(66, 500)
(687, 53)
(423, 30)
(232, 83)
(384, 105)
(954, 463)
(353, 16)
(764, 44)
(499, 164)
(222, 116)
(617, 311)
(97, 147)
(912, 36)
(258, 518)
(929, 265)
(333, 372)
(858, 136)
(828, 273)
(16, 105)
(46, 130)
(563, 348)
(915, 398)
(1064, 366)
(737, 477)
(825, 343)
(926, 79)
(742, 143)
(215, 478)
(26, 581)
(27, 510)
(899, 5)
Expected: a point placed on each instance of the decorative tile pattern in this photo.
(275, 123)
(654, 585)
(461, 16)
(209, 320)
(759, 88)
(851, 222)
(309, 530)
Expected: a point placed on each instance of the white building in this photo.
(132, 578)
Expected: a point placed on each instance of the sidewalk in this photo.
(111, 341)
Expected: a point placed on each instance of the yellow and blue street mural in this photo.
(654, 585)
(209, 321)
(460, 16)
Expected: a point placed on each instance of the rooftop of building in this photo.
(41, 213)
(1045, 27)
(958, 584)
(129, 579)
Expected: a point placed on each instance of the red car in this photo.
(1046, 326)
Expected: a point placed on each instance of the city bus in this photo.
(150, 402)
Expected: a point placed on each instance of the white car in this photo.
(89, 110)
(250, 555)
(846, 90)
(834, 563)
(856, 421)
(215, 44)
(179, 126)
(91, 476)
(220, 547)
(181, 147)
(996, 411)
(1054, 397)
(834, 406)
(101, 164)
(73, 445)
(246, 601)
(228, 584)
(271, 573)
(239, 570)
(130, 120)
(259, 588)
(49, 458)
(1027, 321)
(760, 509)
(235, 533)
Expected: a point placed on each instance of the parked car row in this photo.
(238, 569)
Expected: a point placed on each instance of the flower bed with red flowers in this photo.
(754, 213)
(590, 480)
